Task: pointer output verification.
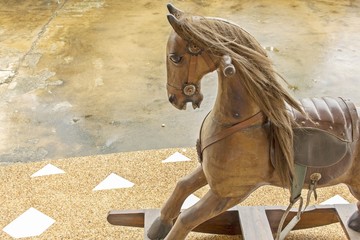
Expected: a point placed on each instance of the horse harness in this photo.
(190, 87)
(202, 144)
(324, 145)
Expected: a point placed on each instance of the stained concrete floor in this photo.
(87, 77)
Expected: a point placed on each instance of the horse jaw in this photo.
(183, 107)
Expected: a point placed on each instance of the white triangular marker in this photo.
(176, 157)
(189, 201)
(29, 224)
(48, 170)
(113, 181)
(337, 199)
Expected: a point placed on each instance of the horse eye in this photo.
(175, 58)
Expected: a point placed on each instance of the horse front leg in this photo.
(171, 209)
(208, 207)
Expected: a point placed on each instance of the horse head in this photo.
(187, 62)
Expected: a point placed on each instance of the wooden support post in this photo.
(150, 216)
(344, 212)
(254, 223)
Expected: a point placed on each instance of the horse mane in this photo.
(220, 37)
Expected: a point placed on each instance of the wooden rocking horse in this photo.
(256, 133)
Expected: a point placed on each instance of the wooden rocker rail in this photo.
(245, 221)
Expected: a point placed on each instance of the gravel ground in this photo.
(80, 212)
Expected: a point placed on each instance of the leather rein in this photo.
(202, 144)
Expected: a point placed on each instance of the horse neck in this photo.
(233, 104)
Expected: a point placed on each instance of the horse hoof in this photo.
(159, 229)
(354, 221)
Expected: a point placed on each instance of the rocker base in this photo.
(230, 222)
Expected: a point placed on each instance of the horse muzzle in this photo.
(180, 100)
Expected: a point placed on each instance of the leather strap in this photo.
(193, 65)
(259, 117)
(298, 181)
(208, 60)
(173, 87)
(192, 69)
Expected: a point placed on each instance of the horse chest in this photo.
(238, 161)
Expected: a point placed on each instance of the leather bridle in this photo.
(190, 87)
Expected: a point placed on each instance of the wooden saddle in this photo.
(324, 144)
(324, 141)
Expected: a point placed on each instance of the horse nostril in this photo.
(171, 98)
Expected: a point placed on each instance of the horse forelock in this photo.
(254, 69)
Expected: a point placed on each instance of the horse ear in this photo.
(176, 25)
(174, 11)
